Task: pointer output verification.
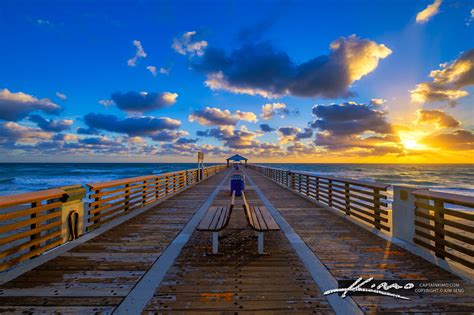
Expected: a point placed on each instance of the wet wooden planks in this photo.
(97, 275)
(238, 279)
(349, 252)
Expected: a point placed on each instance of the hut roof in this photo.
(237, 157)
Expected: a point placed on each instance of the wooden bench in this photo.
(215, 220)
(259, 219)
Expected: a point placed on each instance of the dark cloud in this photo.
(168, 135)
(306, 134)
(99, 141)
(288, 131)
(16, 106)
(261, 69)
(87, 131)
(186, 141)
(266, 128)
(437, 117)
(51, 125)
(350, 118)
(235, 139)
(133, 126)
(140, 102)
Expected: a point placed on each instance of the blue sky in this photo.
(81, 49)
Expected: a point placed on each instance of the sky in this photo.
(275, 81)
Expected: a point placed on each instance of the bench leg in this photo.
(260, 243)
(215, 242)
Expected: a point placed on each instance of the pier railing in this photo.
(115, 198)
(30, 224)
(366, 201)
(33, 223)
(446, 232)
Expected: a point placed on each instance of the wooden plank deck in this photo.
(238, 280)
(95, 276)
(350, 252)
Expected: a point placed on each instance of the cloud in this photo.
(65, 137)
(43, 22)
(470, 18)
(430, 11)
(246, 116)
(266, 128)
(232, 138)
(212, 116)
(140, 102)
(350, 118)
(294, 134)
(168, 135)
(186, 141)
(165, 71)
(61, 96)
(261, 69)
(87, 131)
(437, 117)
(448, 81)
(288, 131)
(270, 110)
(13, 132)
(51, 125)
(133, 126)
(305, 134)
(457, 140)
(355, 129)
(98, 141)
(140, 53)
(377, 101)
(189, 43)
(152, 70)
(16, 106)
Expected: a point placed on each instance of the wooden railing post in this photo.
(307, 185)
(96, 199)
(439, 226)
(347, 198)
(330, 192)
(317, 188)
(127, 197)
(35, 224)
(144, 193)
(157, 188)
(377, 208)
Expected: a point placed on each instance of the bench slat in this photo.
(261, 220)
(269, 220)
(215, 219)
(256, 224)
(208, 217)
(223, 216)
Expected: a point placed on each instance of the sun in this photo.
(410, 141)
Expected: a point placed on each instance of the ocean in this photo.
(23, 177)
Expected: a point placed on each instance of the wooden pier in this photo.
(143, 253)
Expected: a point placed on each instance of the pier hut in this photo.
(237, 158)
(141, 251)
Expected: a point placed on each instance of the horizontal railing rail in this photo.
(440, 228)
(30, 224)
(112, 199)
(366, 201)
(35, 222)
